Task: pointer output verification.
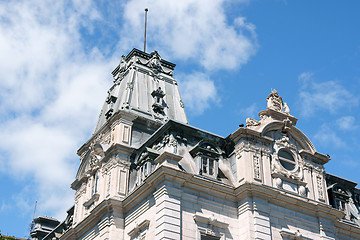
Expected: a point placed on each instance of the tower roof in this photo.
(143, 86)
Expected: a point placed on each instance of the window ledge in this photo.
(210, 221)
(93, 198)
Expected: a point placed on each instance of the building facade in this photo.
(147, 174)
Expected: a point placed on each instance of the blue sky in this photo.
(56, 59)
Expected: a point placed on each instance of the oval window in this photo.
(286, 159)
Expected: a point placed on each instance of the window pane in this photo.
(286, 155)
(211, 166)
(204, 165)
(207, 237)
(286, 159)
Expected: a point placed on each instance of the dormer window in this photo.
(145, 164)
(206, 158)
(143, 172)
(286, 159)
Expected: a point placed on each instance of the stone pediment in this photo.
(277, 123)
(278, 130)
(92, 154)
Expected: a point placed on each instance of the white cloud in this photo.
(327, 136)
(305, 78)
(330, 96)
(198, 92)
(250, 111)
(51, 91)
(52, 84)
(347, 123)
(195, 31)
(191, 29)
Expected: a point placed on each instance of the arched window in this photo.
(286, 159)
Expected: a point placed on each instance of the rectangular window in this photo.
(95, 183)
(208, 166)
(208, 237)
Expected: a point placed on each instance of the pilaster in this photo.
(327, 229)
(261, 217)
(168, 212)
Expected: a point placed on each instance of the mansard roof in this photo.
(183, 128)
(143, 86)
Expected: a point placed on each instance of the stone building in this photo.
(147, 174)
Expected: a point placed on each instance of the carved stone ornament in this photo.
(210, 226)
(158, 93)
(96, 154)
(278, 182)
(302, 191)
(119, 72)
(93, 162)
(257, 168)
(320, 188)
(251, 122)
(112, 163)
(160, 144)
(158, 108)
(314, 167)
(110, 99)
(286, 108)
(154, 63)
(276, 167)
(274, 102)
(285, 141)
(170, 141)
(287, 124)
(204, 148)
(148, 154)
(122, 65)
(101, 138)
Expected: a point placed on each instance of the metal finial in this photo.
(146, 10)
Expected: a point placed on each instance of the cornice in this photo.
(318, 157)
(147, 56)
(127, 118)
(246, 132)
(103, 208)
(214, 188)
(348, 227)
(287, 199)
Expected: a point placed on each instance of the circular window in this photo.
(286, 159)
